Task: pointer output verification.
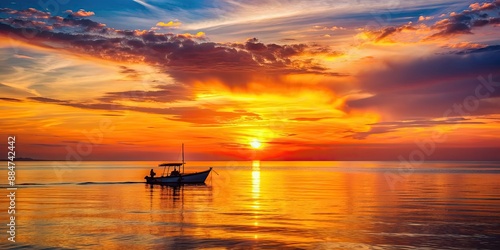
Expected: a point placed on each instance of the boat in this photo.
(177, 177)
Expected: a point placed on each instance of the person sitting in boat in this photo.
(175, 172)
(152, 173)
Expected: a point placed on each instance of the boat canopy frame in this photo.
(175, 165)
(170, 165)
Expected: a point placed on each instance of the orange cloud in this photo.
(484, 6)
(425, 18)
(199, 35)
(171, 24)
(80, 13)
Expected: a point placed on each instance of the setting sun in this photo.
(255, 144)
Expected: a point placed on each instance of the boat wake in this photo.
(109, 183)
(75, 183)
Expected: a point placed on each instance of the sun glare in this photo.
(255, 143)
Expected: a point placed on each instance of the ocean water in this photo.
(256, 205)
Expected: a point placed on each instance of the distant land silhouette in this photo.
(24, 159)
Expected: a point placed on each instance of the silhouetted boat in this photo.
(176, 177)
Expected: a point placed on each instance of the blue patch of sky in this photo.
(142, 14)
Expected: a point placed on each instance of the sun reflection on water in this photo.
(256, 193)
(255, 179)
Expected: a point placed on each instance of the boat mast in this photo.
(183, 158)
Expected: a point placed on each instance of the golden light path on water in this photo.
(256, 192)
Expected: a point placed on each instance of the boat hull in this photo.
(192, 178)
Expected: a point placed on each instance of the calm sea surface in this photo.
(256, 205)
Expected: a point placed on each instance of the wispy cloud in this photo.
(150, 7)
(388, 127)
(194, 115)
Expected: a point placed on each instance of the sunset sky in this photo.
(262, 79)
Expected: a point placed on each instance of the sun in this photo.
(255, 143)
